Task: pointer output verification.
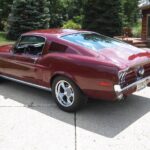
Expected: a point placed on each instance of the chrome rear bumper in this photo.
(120, 91)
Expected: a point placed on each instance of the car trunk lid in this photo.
(125, 57)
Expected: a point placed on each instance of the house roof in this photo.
(144, 4)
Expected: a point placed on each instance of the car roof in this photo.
(54, 32)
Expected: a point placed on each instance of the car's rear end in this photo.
(132, 65)
(133, 79)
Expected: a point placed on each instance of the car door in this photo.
(26, 54)
(7, 60)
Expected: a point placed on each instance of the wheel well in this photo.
(53, 78)
(60, 75)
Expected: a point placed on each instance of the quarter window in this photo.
(56, 47)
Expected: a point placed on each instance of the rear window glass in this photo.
(93, 41)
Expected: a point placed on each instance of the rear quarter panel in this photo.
(84, 71)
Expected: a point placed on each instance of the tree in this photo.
(130, 12)
(73, 8)
(62, 11)
(56, 13)
(5, 7)
(27, 15)
(103, 16)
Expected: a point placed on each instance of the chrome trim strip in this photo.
(133, 84)
(26, 83)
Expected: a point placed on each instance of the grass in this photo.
(3, 39)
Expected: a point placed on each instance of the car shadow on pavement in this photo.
(104, 118)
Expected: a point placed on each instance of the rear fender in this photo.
(61, 73)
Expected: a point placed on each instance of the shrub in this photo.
(71, 25)
(136, 30)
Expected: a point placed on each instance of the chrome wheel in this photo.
(64, 93)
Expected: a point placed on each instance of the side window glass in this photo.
(30, 45)
(31, 40)
(56, 47)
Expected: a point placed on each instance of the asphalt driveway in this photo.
(30, 120)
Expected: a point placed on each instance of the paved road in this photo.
(30, 120)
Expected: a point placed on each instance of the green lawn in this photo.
(3, 39)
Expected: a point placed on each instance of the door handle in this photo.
(35, 60)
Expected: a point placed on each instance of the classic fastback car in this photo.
(76, 65)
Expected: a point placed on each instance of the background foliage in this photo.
(28, 15)
(130, 12)
(107, 17)
(5, 8)
(103, 17)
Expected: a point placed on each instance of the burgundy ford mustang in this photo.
(76, 65)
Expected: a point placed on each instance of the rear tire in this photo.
(67, 94)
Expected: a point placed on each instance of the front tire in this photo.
(67, 94)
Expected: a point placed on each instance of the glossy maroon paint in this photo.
(88, 69)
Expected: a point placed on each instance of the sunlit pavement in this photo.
(30, 120)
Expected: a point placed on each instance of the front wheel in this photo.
(67, 94)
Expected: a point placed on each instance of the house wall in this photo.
(145, 13)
